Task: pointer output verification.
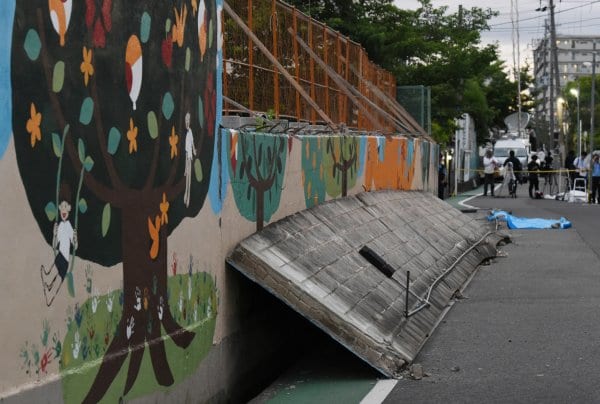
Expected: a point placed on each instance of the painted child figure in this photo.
(63, 237)
(190, 152)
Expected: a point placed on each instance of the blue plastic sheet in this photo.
(514, 222)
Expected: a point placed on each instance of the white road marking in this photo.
(379, 392)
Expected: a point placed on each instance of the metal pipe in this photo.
(427, 303)
(406, 294)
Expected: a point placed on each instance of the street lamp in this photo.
(575, 92)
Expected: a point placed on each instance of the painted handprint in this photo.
(208, 308)
(88, 279)
(130, 325)
(45, 332)
(109, 301)
(95, 301)
(76, 345)
(138, 299)
(160, 308)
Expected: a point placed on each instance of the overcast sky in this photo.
(573, 17)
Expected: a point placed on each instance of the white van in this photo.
(502, 150)
(503, 147)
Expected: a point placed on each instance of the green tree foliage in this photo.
(431, 47)
(570, 110)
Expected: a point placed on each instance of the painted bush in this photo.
(257, 170)
(313, 170)
(341, 159)
(330, 165)
(114, 105)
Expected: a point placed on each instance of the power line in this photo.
(541, 16)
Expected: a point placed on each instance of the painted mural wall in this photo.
(122, 195)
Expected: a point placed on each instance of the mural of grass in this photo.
(91, 327)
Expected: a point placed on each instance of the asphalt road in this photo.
(529, 330)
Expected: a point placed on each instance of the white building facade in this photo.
(574, 55)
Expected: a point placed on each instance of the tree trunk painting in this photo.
(141, 321)
(124, 113)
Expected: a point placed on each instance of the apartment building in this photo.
(574, 60)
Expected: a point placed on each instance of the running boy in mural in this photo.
(63, 237)
(190, 152)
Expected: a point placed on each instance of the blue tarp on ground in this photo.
(514, 222)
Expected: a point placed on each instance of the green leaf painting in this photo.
(56, 145)
(32, 44)
(200, 112)
(198, 170)
(152, 125)
(87, 111)
(88, 164)
(58, 76)
(114, 139)
(145, 27)
(105, 219)
(83, 205)
(51, 211)
(168, 105)
(81, 150)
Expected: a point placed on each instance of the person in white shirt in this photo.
(489, 166)
(190, 152)
(581, 166)
(63, 237)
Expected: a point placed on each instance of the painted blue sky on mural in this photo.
(6, 23)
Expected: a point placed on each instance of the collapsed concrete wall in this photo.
(344, 266)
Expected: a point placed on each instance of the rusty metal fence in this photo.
(327, 67)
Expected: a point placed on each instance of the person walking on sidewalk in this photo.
(595, 197)
(489, 167)
(442, 174)
(534, 182)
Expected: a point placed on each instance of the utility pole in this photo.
(554, 71)
(551, 98)
(593, 106)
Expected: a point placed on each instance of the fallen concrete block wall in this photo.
(311, 260)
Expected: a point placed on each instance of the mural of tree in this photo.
(313, 170)
(342, 158)
(257, 170)
(116, 101)
(390, 163)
